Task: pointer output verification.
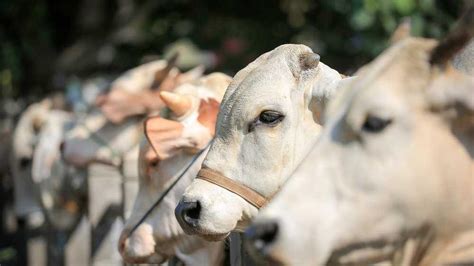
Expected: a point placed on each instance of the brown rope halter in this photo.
(248, 194)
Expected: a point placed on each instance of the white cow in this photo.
(108, 134)
(269, 119)
(136, 91)
(172, 145)
(25, 138)
(391, 163)
(61, 188)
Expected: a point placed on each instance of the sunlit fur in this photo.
(160, 237)
(357, 186)
(264, 157)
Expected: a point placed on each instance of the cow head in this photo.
(135, 92)
(61, 188)
(170, 147)
(106, 135)
(28, 128)
(268, 118)
(391, 159)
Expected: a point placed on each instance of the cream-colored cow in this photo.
(25, 137)
(107, 134)
(136, 91)
(171, 146)
(392, 164)
(269, 119)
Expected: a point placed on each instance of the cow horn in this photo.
(178, 104)
(455, 40)
(309, 61)
(162, 74)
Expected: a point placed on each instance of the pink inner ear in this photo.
(163, 135)
(208, 110)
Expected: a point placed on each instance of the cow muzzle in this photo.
(139, 247)
(260, 237)
(196, 213)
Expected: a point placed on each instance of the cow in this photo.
(269, 119)
(61, 188)
(136, 91)
(391, 170)
(171, 145)
(25, 136)
(112, 130)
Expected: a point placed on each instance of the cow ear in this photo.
(162, 74)
(402, 31)
(208, 110)
(164, 136)
(452, 90)
(216, 82)
(454, 42)
(324, 91)
(451, 97)
(309, 61)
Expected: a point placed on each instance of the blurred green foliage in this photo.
(43, 42)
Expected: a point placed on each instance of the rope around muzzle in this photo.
(248, 194)
(168, 189)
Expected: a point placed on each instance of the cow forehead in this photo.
(402, 71)
(406, 62)
(274, 79)
(275, 75)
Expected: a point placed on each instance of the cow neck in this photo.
(250, 195)
(168, 189)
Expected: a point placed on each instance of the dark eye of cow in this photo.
(375, 124)
(25, 162)
(270, 117)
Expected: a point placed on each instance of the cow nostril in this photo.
(262, 234)
(192, 211)
(188, 213)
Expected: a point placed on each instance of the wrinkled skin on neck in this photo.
(260, 156)
(170, 147)
(360, 184)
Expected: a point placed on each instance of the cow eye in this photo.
(154, 163)
(270, 117)
(375, 124)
